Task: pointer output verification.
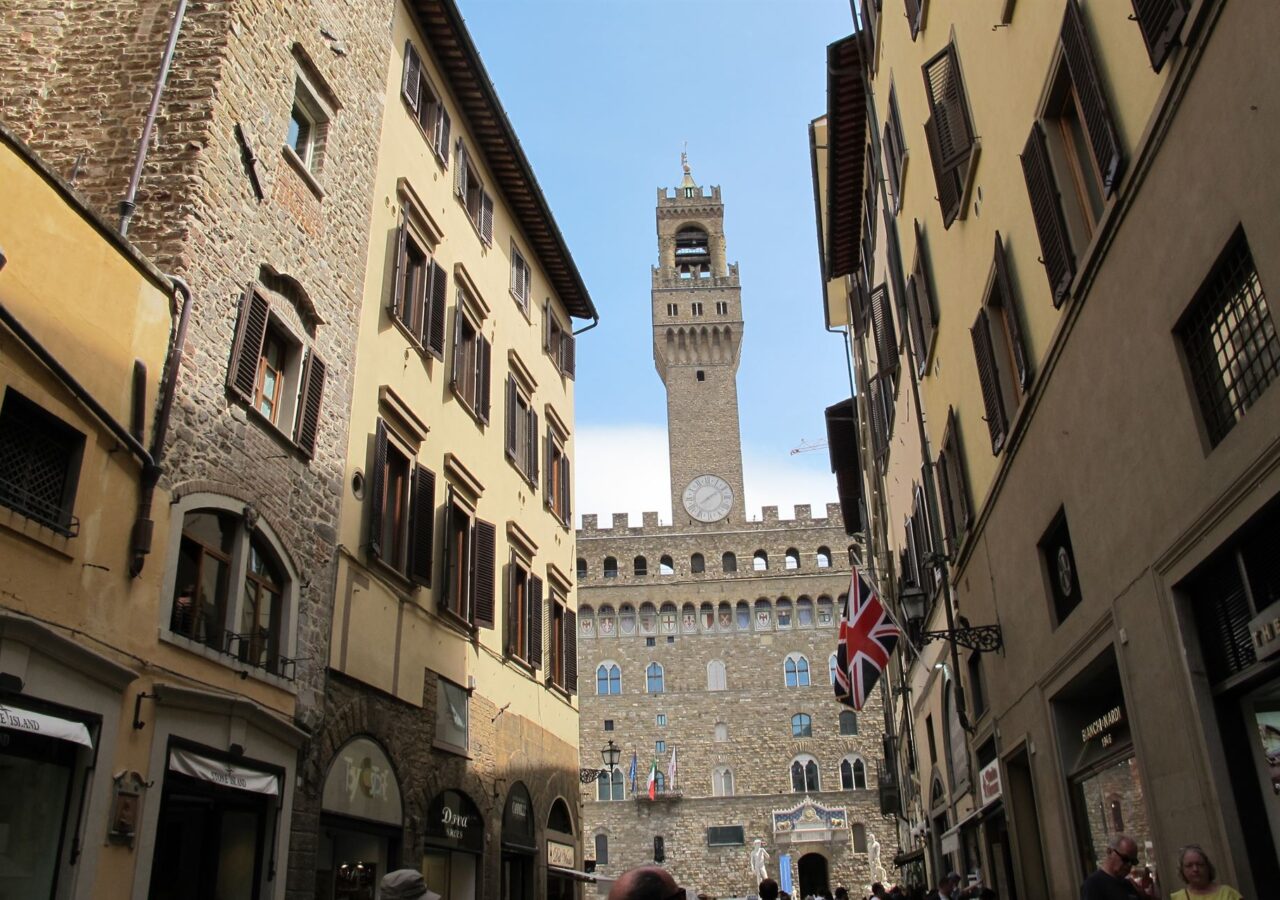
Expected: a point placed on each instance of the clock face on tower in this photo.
(708, 498)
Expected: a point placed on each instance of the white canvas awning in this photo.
(45, 725)
(226, 774)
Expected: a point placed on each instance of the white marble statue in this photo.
(759, 860)
(878, 872)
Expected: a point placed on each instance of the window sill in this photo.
(33, 530)
(468, 407)
(522, 664)
(275, 431)
(559, 691)
(523, 305)
(475, 226)
(295, 161)
(457, 623)
(409, 336)
(244, 670)
(452, 749)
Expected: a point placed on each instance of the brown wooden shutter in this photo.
(875, 402)
(409, 84)
(1009, 309)
(531, 467)
(568, 354)
(945, 497)
(548, 477)
(486, 218)
(926, 310)
(886, 334)
(422, 526)
(861, 307)
(571, 651)
(509, 623)
(455, 363)
(433, 321)
(1160, 21)
(377, 479)
(947, 107)
(534, 621)
(484, 354)
(1046, 209)
(990, 378)
(483, 573)
(512, 411)
(913, 16)
(915, 326)
(959, 484)
(246, 351)
(1103, 139)
(948, 187)
(844, 446)
(891, 165)
(565, 489)
(451, 513)
(313, 373)
(442, 141)
(460, 170)
(395, 305)
(546, 330)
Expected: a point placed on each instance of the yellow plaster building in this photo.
(1049, 231)
(454, 625)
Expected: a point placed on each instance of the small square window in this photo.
(1060, 568)
(308, 128)
(701, 375)
(649, 642)
(662, 719)
(39, 464)
(452, 715)
(608, 724)
(671, 639)
(659, 746)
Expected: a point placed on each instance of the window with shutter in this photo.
(522, 429)
(884, 332)
(922, 310)
(523, 614)
(483, 582)
(992, 399)
(953, 488)
(418, 286)
(422, 526)
(1160, 22)
(469, 374)
(916, 10)
(275, 373)
(1046, 209)
(879, 430)
(391, 496)
(520, 278)
(456, 595)
(949, 132)
(424, 104)
(471, 192)
(895, 150)
(556, 477)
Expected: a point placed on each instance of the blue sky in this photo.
(603, 95)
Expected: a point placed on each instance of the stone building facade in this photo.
(256, 191)
(706, 648)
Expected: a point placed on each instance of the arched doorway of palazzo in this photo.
(813, 875)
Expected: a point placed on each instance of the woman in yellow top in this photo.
(1200, 876)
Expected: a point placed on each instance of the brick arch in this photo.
(341, 724)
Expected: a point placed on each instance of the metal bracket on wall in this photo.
(979, 638)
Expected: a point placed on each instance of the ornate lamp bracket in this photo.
(980, 638)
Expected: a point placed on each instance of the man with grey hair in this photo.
(1110, 881)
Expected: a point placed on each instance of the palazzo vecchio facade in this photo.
(705, 646)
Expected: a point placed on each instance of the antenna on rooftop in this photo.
(809, 446)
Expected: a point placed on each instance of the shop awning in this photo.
(225, 774)
(588, 877)
(45, 725)
(903, 859)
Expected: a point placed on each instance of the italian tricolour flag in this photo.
(653, 779)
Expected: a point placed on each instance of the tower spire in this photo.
(687, 181)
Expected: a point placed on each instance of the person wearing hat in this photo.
(405, 884)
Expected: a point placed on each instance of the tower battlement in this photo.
(802, 516)
(679, 196)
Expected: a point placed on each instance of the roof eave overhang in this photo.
(446, 32)
(846, 157)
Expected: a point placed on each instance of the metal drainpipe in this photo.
(128, 205)
(143, 526)
(595, 320)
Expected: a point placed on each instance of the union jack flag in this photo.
(867, 639)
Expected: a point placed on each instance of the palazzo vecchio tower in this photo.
(704, 646)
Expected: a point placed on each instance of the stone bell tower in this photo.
(697, 337)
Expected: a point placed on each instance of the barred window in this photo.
(1229, 337)
(39, 464)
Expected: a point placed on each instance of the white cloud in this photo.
(624, 468)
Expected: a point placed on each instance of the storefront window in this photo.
(35, 782)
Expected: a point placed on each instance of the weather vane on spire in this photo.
(684, 158)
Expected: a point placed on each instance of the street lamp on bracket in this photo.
(610, 755)
(979, 638)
